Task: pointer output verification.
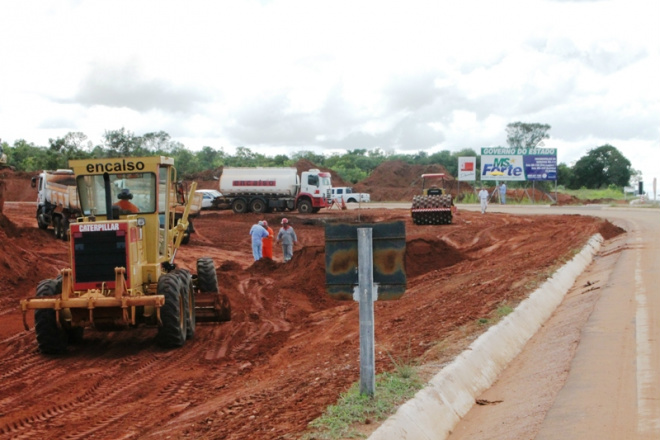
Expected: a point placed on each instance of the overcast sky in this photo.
(282, 76)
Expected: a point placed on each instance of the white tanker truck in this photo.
(267, 189)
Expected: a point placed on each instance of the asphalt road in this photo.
(593, 371)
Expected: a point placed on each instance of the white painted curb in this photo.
(436, 409)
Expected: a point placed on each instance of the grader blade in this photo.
(212, 307)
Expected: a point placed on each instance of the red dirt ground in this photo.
(289, 350)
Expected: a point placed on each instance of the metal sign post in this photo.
(365, 263)
(366, 298)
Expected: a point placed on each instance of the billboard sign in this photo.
(518, 164)
(467, 168)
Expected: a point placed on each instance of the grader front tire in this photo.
(173, 331)
(51, 338)
(189, 300)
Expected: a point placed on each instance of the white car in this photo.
(208, 196)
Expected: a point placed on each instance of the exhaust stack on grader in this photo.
(122, 272)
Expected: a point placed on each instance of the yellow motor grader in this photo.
(122, 249)
(435, 206)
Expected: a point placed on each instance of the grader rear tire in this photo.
(189, 299)
(212, 305)
(207, 280)
(51, 339)
(173, 331)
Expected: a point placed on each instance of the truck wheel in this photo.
(239, 206)
(50, 338)
(304, 207)
(207, 280)
(173, 331)
(258, 206)
(64, 229)
(189, 299)
(57, 227)
(351, 200)
(41, 222)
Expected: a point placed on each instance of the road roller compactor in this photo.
(435, 206)
(122, 249)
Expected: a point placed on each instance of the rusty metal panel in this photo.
(341, 259)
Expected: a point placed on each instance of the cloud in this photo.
(123, 86)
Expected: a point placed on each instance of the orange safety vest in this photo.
(267, 244)
(125, 205)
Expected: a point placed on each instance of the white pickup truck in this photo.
(346, 193)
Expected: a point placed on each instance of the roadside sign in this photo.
(341, 259)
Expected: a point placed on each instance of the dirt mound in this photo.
(23, 258)
(608, 230)
(424, 256)
(399, 181)
(17, 186)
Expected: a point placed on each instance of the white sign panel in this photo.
(467, 168)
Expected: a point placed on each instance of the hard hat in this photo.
(125, 194)
(265, 223)
(284, 221)
(261, 223)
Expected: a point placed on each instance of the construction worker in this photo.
(258, 233)
(503, 194)
(483, 198)
(267, 242)
(287, 237)
(124, 204)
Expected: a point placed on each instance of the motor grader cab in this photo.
(435, 206)
(122, 249)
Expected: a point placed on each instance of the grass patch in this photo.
(594, 194)
(468, 198)
(503, 310)
(392, 389)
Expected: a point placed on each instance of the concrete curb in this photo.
(436, 409)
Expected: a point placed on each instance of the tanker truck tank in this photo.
(262, 189)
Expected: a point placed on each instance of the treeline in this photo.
(601, 167)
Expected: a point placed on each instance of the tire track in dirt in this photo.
(86, 407)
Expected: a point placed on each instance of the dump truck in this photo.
(435, 205)
(57, 200)
(262, 190)
(121, 271)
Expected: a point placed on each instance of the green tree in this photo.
(29, 157)
(156, 142)
(601, 167)
(526, 135)
(316, 159)
(210, 158)
(185, 162)
(445, 159)
(564, 175)
(123, 143)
